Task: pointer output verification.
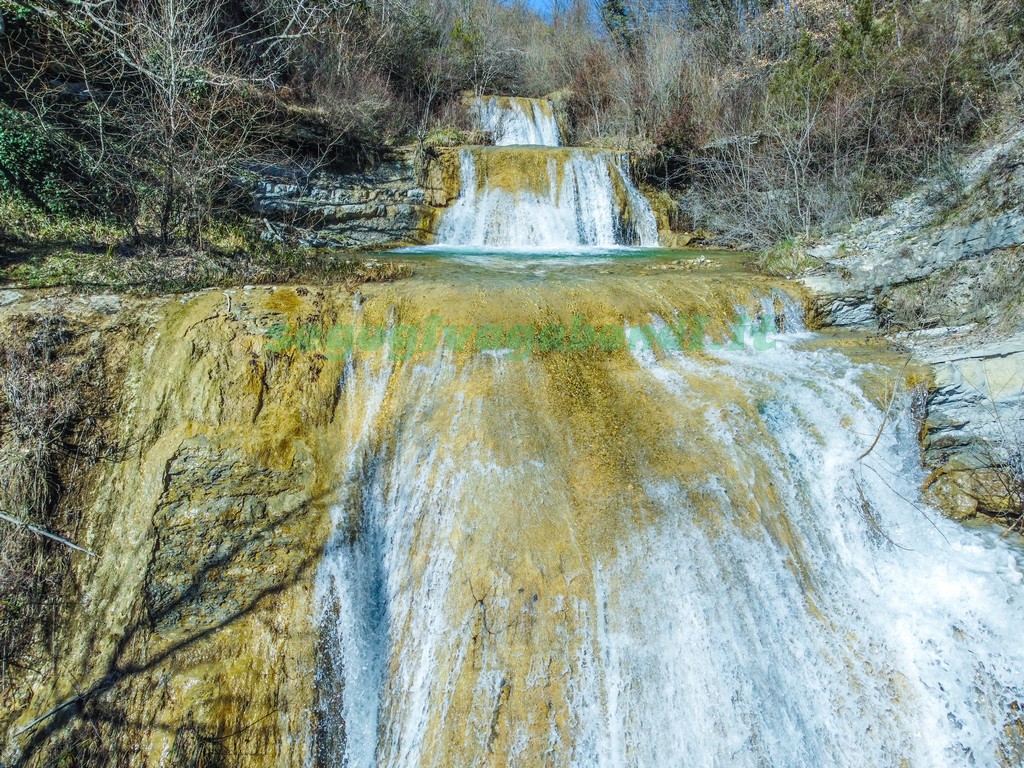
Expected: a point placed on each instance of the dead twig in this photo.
(40, 532)
(885, 418)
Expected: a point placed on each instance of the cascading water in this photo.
(535, 198)
(658, 558)
(542, 196)
(511, 121)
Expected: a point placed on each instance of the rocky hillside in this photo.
(942, 273)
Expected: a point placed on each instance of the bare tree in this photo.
(193, 117)
(175, 96)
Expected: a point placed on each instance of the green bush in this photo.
(30, 161)
(47, 168)
(36, 165)
(13, 15)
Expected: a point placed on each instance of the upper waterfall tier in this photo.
(512, 121)
(527, 197)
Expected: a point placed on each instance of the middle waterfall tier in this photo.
(511, 121)
(542, 197)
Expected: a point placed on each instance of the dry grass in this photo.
(1009, 475)
(42, 391)
(144, 272)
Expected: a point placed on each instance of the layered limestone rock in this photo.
(395, 203)
(381, 207)
(973, 430)
(942, 271)
(943, 228)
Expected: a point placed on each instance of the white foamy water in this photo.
(865, 629)
(512, 121)
(784, 603)
(587, 199)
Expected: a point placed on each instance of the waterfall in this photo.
(544, 198)
(530, 193)
(654, 559)
(511, 121)
(644, 557)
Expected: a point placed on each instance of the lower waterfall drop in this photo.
(653, 560)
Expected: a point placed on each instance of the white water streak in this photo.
(509, 123)
(582, 209)
(712, 653)
(848, 626)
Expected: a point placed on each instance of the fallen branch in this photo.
(885, 418)
(40, 532)
(46, 716)
(108, 682)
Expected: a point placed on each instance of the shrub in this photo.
(29, 160)
(863, 101)
(786, 259)
(675, 139)
(43, 165)
(1010, 474)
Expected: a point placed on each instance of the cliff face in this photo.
(386, 206)
(188, 639)
(941, 272)
(960, 229)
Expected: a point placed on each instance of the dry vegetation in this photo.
(765, 120)
(45, 440)
(1004, 462)
(824, 111)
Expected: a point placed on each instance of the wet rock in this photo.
(223, 534)
(699, 263)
